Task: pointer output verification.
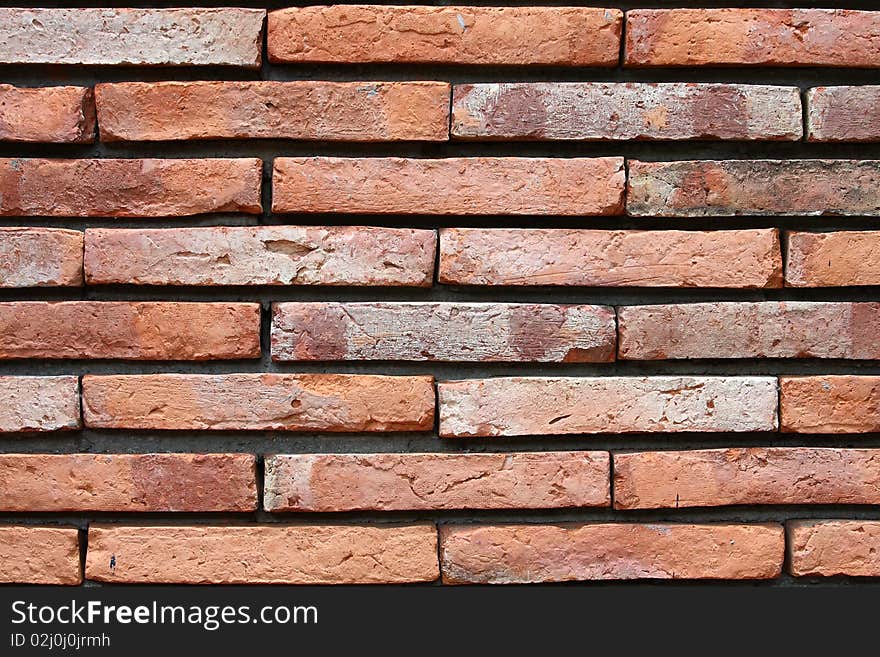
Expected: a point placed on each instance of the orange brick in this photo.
(39, 555)
(58, 115)
(829, 404)
(41, 257)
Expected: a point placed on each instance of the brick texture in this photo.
(129, 330)
(395, 482)
(39, 403)
(830, 404)
(127, 482)
(834, 547)
(40, 257)
(39, 555)
(764, 329)
(443, 332)
(455, 185)
(835, 259)
(843, 113)
(290, 402)
(57, 115)
(722, 477)
(524, 554)
(561, 36)
(273, 554)
(330, 111)
(601, 111)
(261, 255)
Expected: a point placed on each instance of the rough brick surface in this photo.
(764, 329)
(623, 111)
(395, 482)
(127, 482)
(843, 113)
(771, 37)
(513, 406)
(563, 36)
(455, 185)
(129, 188)
(755, 475)
(613, 258)
(59, 115)
(261, 255)
(292, 402)
(830, 404)
(40, 257)
(701, 188)
(834, 547)
(39, 555)
(522, 554)
(275, 554)
(443, 332)
(39, 403)
(129, 330)
(833, 259)
(329, 111)
(170, 37)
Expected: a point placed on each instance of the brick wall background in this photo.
(302, 311)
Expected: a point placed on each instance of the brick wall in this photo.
(386, 294)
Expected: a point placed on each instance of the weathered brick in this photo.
(166, 37)
(623, 111)
(514, 406)
(613, 258)
(60, 115)
(753, 475)
(843, 113)
(261, 255)
(703, 188)
(39, 555)
(127, 482)
(443, 332)
(290, 402)
(327, 111)
(276, 554)
(40, 257)
(399, 482)
(145, 330)
(562, 36)
(830, 404)
(770, 37)
(522, 554)
(834, 259)
(763, 329)
(39, 403)
(129, 188)
(455, 185)
(834, 547)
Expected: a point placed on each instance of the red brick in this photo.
(830, 404)
(752, 476)
(561, 36)
(261, 255)
(455, 185)
(704, 188)
(326, 111)
(127, 482)
(276, 554)
(150, 330)
(39, 403)
(834, 547)
(443, 332)
(165, 37)
(610, 258)
(289, 402)
(40, 257)
(400, 482)
(600, 111)
(843, 113)
(515, 406)
(522, 554)
(764, 329)
(834, 259)
(60, 115)
(39, 555)
(769, 37)
(129, 188)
